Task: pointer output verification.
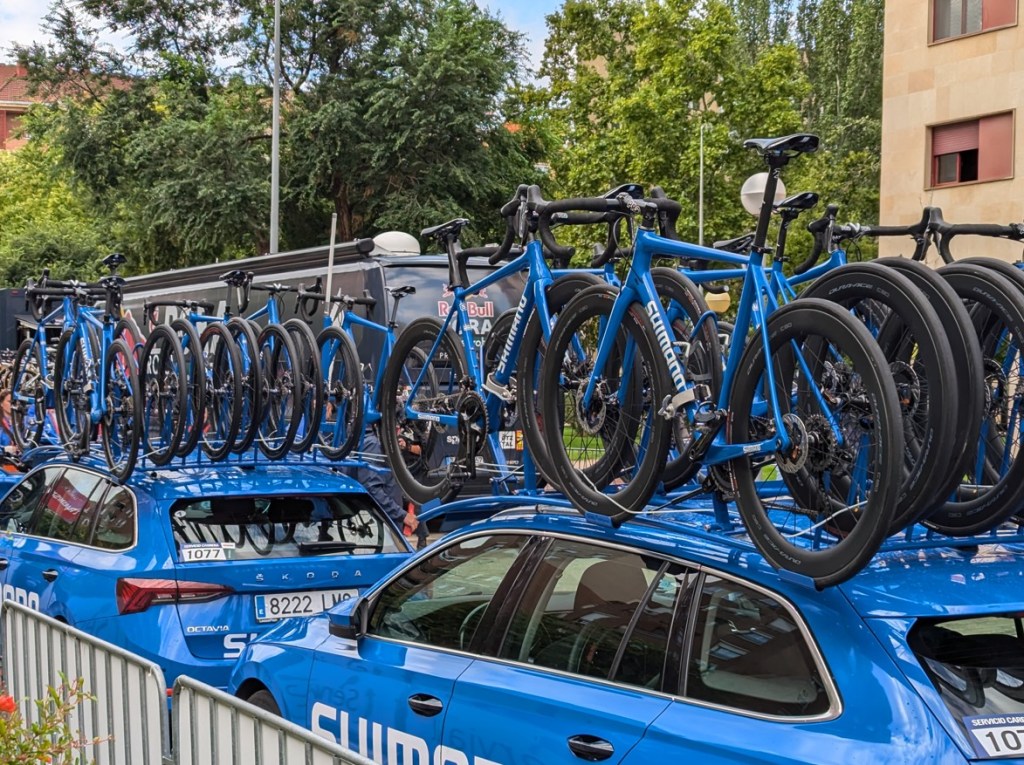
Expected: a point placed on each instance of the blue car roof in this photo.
(282, 477)
(927, 580)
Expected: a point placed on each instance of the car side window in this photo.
(74, 494)
(749, 653)
(440, 602)
(24, 499)
(581, 604)
(115, 521)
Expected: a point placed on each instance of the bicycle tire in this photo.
(557, 296)
(252, 383)
(618, 418)
(919, 354)
(993, 301)
(128, 330)
(28, 395)
(309, 367)
(963, 339)
(685, 306)
(71, 381)
(122, 411)
(822, 331)
(222, 415)
(445, 374)
(282, 390)
(166, 388)
(195, 370)
(341, 426)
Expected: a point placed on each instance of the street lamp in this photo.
(700, 189)
(275, 135)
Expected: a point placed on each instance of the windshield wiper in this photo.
(315, 548)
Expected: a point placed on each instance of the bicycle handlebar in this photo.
(821, 230)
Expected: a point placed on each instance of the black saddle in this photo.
(634, 190)
(401, 292)
(236, 278)
(805, 200)
(740, 244)
(451, 228)
(114, 260)
(798, 143)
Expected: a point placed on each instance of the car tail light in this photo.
(134, 595)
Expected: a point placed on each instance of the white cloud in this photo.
(20, 23)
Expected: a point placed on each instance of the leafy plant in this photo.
(50, 738)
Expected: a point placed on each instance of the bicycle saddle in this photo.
(236, 278)
(798, 143)
(741, 244)
(112, 282)
(450, 228)
(114, 259)
(634, 190)
(805, 200)
(400, 292)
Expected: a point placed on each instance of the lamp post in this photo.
(275, 135)
(700, 189)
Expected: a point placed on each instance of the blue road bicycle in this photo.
(803, 435)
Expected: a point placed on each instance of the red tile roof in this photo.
(14, 84)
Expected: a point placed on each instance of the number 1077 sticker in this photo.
(997, 735)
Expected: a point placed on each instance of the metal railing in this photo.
(128, 711)
(129, 695)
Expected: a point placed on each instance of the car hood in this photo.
(940, 581)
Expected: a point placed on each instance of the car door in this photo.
(42, 560)
(755, 688)
(16, 512)
(386, 696)
(579, 673)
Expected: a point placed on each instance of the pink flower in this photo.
(7, 704)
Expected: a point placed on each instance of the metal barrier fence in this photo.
(129, 708)
(129, 704)
(213, 726)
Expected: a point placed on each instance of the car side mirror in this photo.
(349, 619)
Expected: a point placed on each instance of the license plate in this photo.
(270, 608)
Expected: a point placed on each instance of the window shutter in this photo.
(997, 13)
(995, 147)
(949, 139)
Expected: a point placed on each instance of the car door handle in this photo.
(425, 705)
(591, 748)
(50, 574)
(4, 563)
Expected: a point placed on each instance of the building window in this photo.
(976, 150)
(954, 18)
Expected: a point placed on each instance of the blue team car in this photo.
(184, 567)
(542, 637)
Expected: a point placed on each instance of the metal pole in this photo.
(700, 191)
(330, 270)
(275, 141)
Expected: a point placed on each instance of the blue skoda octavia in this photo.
(540, 637)
(184, 567)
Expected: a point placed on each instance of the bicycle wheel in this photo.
(920, 360)
(308, 369)
(252, 383)
(621, 418)
(283, 392)
(74, 376)
(531, 354)
(195, 385)
(165, 407)
(222, 366)
(959, 329)
(121, 429)
(127, 330)
(342, 423)
(841, 413)
(700, 353)
(992, 484)
(418, 388)
(28, 395)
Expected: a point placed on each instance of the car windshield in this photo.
(259, 527)
(977, 665)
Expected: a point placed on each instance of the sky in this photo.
(20, 20)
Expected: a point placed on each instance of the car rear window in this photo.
(260, 527)
(977, 666)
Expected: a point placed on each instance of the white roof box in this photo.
(398, 242)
